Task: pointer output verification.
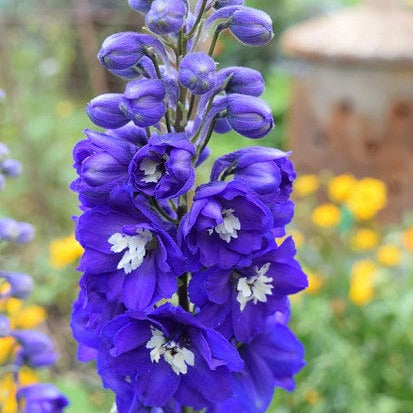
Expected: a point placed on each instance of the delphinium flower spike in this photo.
(183, 300)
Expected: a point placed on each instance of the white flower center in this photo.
(150, 169)
(179, 358)
(255, 288)
(134, 246)
(229, 228)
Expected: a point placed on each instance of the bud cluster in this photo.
(184, 296)
(24, 347)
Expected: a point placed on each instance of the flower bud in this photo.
(21, 285)
(104, 110)
(37, 349)
(243, 80)
(41, 397)
(143, 101)
(144, 68)
(11, 167)
(166, 16)
(249, 116)
(26, 233)
(140, 5)
(251, 26)
(197, 73)
(222, 126)
(122, 51)
(225, 3)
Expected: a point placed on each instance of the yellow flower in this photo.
(326, 215)
(64, 109)
(389, 255)
(367, 198)
(315, 282)
(364, 239)
(21, 316)
(64, 251)
(27, 376)
(340, 187)
(6, 348)
(8, 388)
(361, 282)
(28, 317)
(306, 185)
(408, 239)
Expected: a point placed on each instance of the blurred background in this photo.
(341, 88)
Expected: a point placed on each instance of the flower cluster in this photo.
(22, 348)
(184, 296)
(343, 233)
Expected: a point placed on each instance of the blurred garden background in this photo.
(353, 227)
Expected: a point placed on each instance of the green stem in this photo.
(191, 107)
(158, 73)
(158, 208)
(198, 19)
(214, 41)
(208, 137)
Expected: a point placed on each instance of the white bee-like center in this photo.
(255, 288)
(150, 169)
(229, 227)
(135, 246)
(179, 358)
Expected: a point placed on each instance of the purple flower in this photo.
(163, 168)
(104, 110)
(248, 295)
(242, 80)
(271, 360)
(251, 26)
(140, 5)
(14, 231)
(123, 51)
(11, 167)
(143, 101)
(166, 16)
(249, 115)
(36, 349)
(169, 355)
(127, 242)
(197, 73)
(94, 307)
(42, 398)
(21, 285)
(268, 171)
(226, 224)
(102, 162)
(225, 3)
(144, 68)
